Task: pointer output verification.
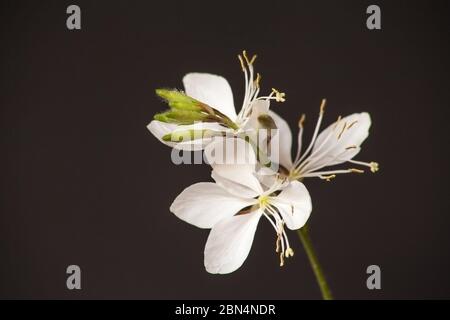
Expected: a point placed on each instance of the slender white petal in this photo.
(237, 174)
(211, 89)
(233, 159)
(343, 142)
(294, 204)
(235, 188)
(285, 140)
(204, 204)
(229, 242)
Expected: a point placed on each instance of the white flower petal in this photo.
(211, 89)
(229, 242)
(204, 204)
(233, 159)
(267, 177)
(259, 107)
(294, 204)
(343, 144)
(284, 140)
(233, 187)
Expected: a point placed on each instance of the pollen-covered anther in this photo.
(322, 106)
(277, 244)
(289, 253)
(279, 96)
(356, 170)
(242, 62)
(281, 259)
(351, 124)
(374, 167)
(257, 80)
(301, 121)
(249, 61)
(342, 131)
(328, 178)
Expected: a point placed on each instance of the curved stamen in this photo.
(317, 154)
(331, 174)
(316, 130)
(374, 166)
(307, 168)
(300, 137)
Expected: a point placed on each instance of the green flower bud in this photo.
(187, 135)
(179, 100)
(180, 116)
(186, 110)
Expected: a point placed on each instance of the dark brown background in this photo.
(84, 182)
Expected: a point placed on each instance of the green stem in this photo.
(303, 233)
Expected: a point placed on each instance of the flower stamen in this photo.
(279, 96)
(281, 259)
(242, 62)
(328, 178)
(374, 166)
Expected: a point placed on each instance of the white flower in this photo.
(215, 94)
(232, 208)
(337, 144)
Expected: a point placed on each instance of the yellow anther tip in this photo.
(374, 167)
(279, 96)
(328, 178)
(322, 105)
(301, 121)
(289, 253)
(242, 62)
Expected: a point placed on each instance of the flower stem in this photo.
(303, 233)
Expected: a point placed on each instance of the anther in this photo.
(374, 167)
(289, 253)
(244, 53)
(351, 124)
(328, 178)
(322, 106)
(343, 129)
(277, 249)
(257, 80)
(301, 121)
(356, 170)
(279, 96)
(242, 62)
(281, 259)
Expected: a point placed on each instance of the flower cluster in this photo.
(246, 188)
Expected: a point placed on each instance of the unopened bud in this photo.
(180, 116)
(179, 100)
(186, 135)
